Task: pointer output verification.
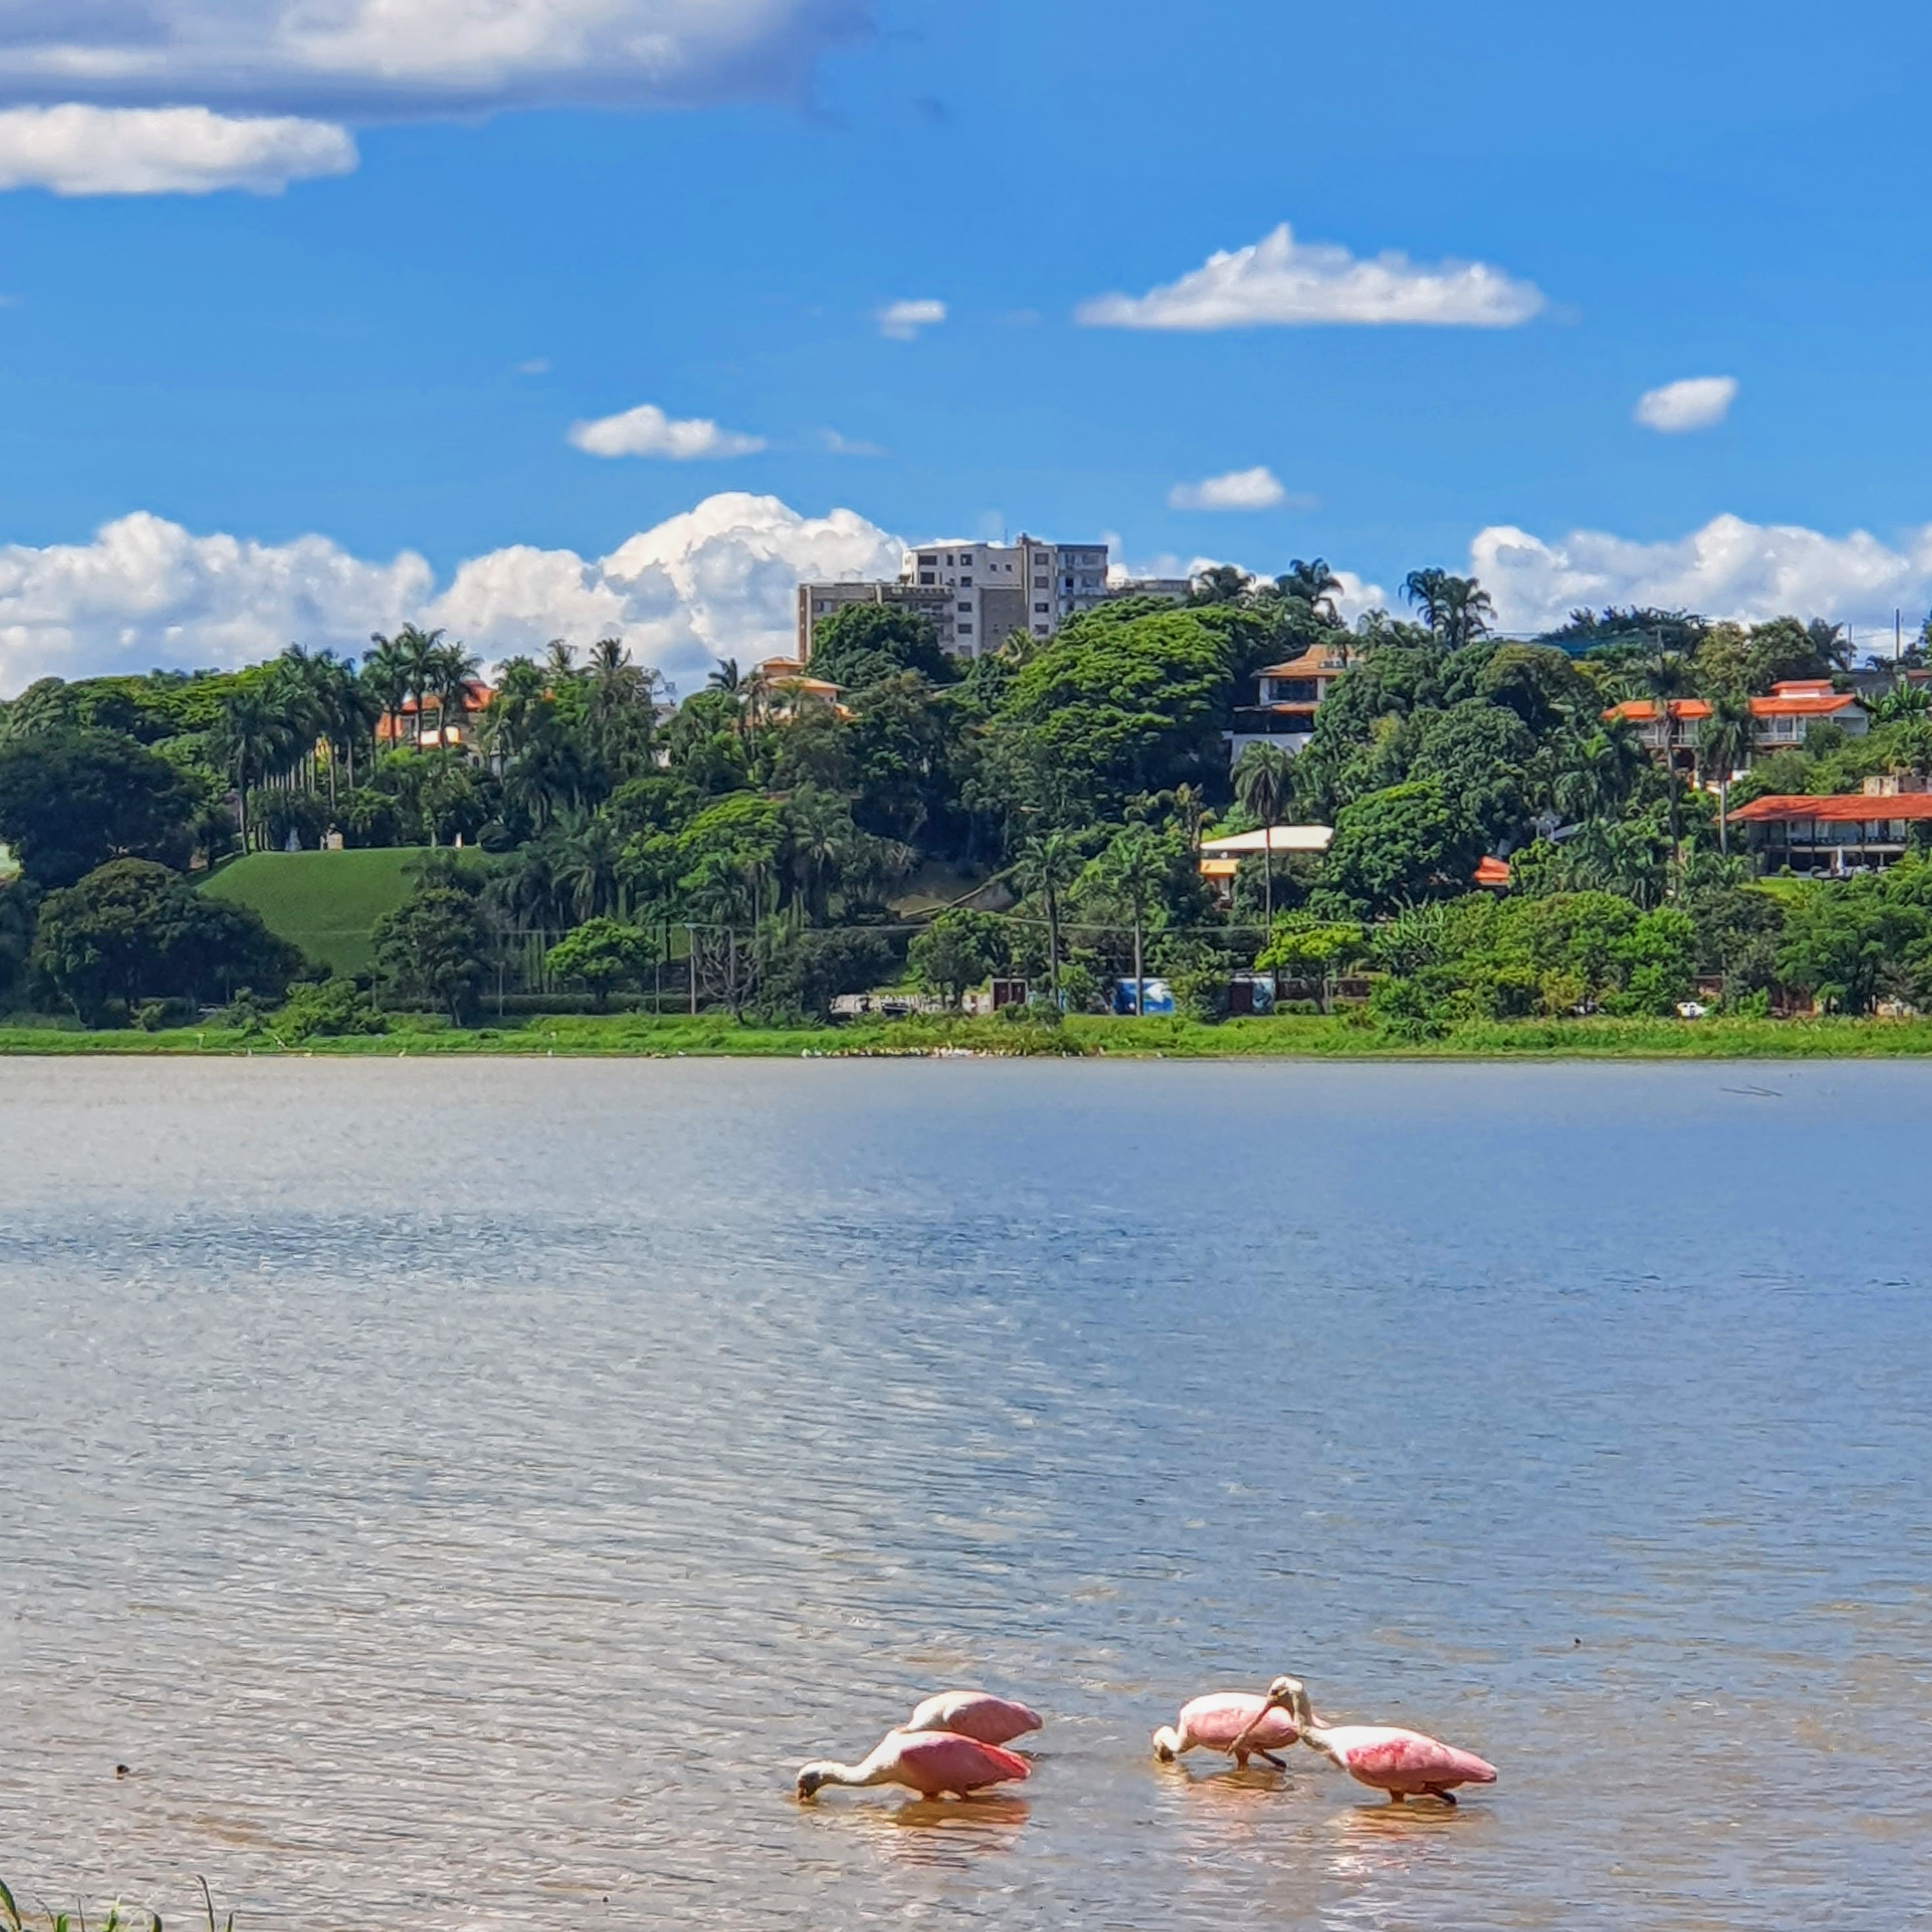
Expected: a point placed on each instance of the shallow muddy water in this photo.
(463, 1493)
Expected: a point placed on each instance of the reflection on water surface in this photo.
(472, 1491)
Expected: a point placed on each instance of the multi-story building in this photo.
(1787, 717)
(978, 594)
(1287, 696)
(816, 601)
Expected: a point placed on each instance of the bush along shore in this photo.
(1356, 1035)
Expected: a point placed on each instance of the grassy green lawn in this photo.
(1288, 1037)
(324, 902)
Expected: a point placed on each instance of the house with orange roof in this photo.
(455, 724)
(1287, 696)
(1859, 831)
(1793, 710)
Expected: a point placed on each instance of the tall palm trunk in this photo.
(1053, 946)
(1140, 984)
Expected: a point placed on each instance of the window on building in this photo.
(968, 608)
(1042, 608)
(965, 583)
(965, 630)
(928, 576)
(1039, 583)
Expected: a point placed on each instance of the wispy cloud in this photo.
(836, 445)
(390, 57)
(74, 149)
(1256, 489)
(1281, 283)
(537, 365)
(903, 320)
(1698, 402)
(646, 430)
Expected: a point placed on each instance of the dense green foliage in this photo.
(753, 846)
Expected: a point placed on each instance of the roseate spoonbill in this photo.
(1234, 1721)
(977, 1715)
(931, 1763)
(1405, 1764)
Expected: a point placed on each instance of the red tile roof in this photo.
(1491, 871)
(1799, 697)
(1849, 809)
(1316, 661)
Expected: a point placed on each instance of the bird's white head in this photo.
(1291, 1694)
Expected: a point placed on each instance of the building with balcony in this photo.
(1861, 832)
(1287, 696)
(1785, 717)
(977, 595)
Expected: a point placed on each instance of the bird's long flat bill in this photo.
(1281, 1694)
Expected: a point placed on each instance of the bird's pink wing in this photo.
(977, 1715)
(1219, 1718)
(944, 1761)
(1417, 1760)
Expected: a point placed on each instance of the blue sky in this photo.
(389, 357)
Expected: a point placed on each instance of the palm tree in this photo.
(516, 712)
(1265, 782)
(1457, 609)
(385, 675)
(1312, 583)
(819, 829)
(560, 660)
(1134, 867)
(419, 651)
(1725, 740)
(252, 738)
(452, 672)
(1049, 862)
(1661, 678)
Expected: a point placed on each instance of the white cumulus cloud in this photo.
(1729, 568)
(1698, 402)
(646, 430)
(1256, 489)
(903, 320)
(406, 56)
(75, 149)
(715, 581)
(1280, 282)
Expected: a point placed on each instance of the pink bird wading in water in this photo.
(1237, 1722)
(931, 1763)
(1405, 1764)
(977, 1715)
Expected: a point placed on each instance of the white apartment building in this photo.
(998, 588)
(977, 594)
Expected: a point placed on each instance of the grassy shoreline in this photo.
(1297, 1037)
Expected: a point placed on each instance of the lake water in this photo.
(463, 1493)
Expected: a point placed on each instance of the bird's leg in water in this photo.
(1447, 1797)
(1396, 1798)
(1269, 1757)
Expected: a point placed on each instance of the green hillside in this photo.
(324, 902)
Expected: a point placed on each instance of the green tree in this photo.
(1393, 847)
(957, 950)
(1301, 941)
(1457, 609)
(1840, 939)
(1048, 864)
(436, 946)
(1112, 706)
(70, 799)
(1725, 741)
(603, 956)
(1263, 780)
(864, 644)
(1133, 867)
(133, 930)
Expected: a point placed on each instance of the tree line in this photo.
(1059, 788)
